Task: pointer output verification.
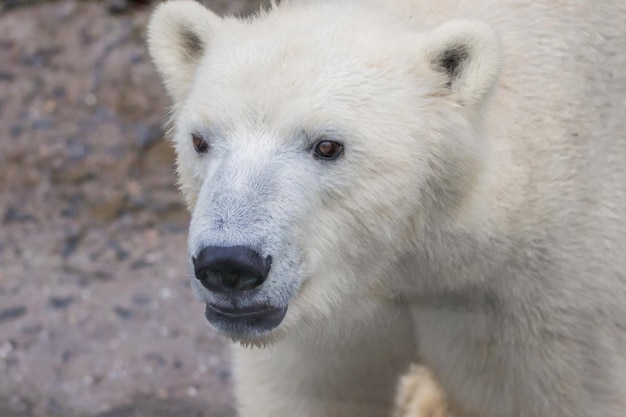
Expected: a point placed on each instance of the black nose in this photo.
(231, 269)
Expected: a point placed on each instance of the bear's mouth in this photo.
(243, 321)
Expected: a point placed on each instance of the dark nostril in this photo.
(231, 269)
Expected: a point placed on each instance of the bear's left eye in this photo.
(327, 149)
(199, 144)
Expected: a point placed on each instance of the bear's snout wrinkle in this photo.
(232, 269)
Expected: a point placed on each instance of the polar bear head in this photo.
(316, 143)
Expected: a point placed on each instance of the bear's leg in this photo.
(351, 370)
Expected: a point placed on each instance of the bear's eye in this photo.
(327, 149)
(199, 144)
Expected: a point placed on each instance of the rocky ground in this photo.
(96, 317)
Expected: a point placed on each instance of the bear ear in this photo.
(467, 54)
(178, 34)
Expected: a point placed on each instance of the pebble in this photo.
(31, 329)
(90, 100)
(42, 124)
(15, 215)
(156, 358)
(165, 293)
(123, 6)
(121, 254)
(49, 106)
(224, 375)
(60, 303)
(73, 208)
(39, 58)
(72, 239)
(6, 76)
(5, 349)
(59, 92)
(139, 264)
(122, 312)
(88, 380)
(117, 6)
(76, 151)
(192, 391)
(141, 299)
(137, 58)
(12, 313)
(16, 131)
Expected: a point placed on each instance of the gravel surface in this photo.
(96, 315)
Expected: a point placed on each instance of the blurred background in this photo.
(96, 314)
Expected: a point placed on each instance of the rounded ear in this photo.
(467, 54)
(178, 34)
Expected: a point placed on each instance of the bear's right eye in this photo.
(199, 144)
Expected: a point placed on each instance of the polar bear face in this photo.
(314, 146)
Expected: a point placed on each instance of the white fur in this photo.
(481, 208)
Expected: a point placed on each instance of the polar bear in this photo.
(377, 182)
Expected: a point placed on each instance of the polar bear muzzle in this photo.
(233, 273)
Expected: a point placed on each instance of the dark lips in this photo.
(256, 318)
